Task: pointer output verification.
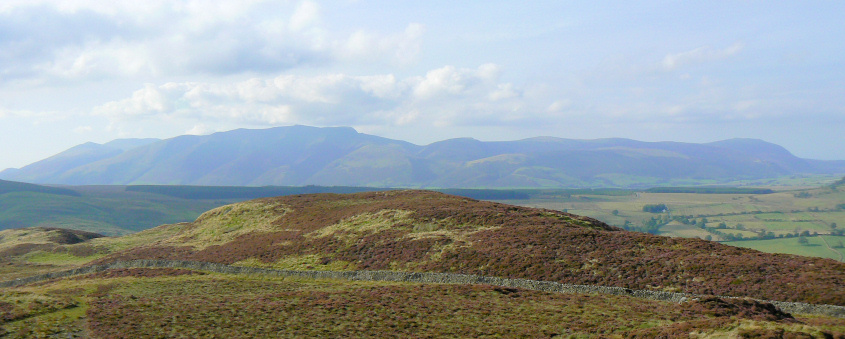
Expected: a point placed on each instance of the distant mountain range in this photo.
(302, 155)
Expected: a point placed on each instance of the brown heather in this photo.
(259, 309)
(445, 233)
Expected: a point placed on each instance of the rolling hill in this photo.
(411, 231)
(107, 210)
(16, 187)
(435, 232)
(301, 155)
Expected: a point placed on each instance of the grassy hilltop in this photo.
(415, 231)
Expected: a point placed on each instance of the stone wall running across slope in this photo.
(416, 277)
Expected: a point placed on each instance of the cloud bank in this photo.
(445, 96)
(45, 41)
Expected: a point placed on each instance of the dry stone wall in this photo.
(416, 277)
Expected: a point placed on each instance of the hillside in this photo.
(416, 231)
(168, 302)
(49, 170)
(106, 210)
(19, 241)
(12, 187)
(427, 231)
(301, 155)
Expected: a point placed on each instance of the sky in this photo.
(76, 71)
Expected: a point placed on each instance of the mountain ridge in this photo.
(303, 155)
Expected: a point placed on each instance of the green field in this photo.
(767, 222)
(815, 246)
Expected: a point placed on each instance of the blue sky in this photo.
(79, 71)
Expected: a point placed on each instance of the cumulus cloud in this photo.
(449, 81)
(84, 39)
(443, 96)
(702, 54)
(150, 100)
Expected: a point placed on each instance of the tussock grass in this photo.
(223, 224)
(366, 223)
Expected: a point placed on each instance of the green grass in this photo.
(815, 247)
(786, 211)
(684, 231)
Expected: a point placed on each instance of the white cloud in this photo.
(446, 80)
(450, 81)
(150, 100)
(559, 105)
(444, 96)
(199, 129)
(503, 91)
(702, 54)
(87, 40)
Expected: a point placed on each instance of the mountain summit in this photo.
(302, 155)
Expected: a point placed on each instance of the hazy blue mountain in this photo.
(766, 152)
(127, 144)
(302, 155)
(49, 170)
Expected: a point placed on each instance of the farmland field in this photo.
(767, 222)
(815, 246)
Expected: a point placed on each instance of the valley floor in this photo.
(806, 222)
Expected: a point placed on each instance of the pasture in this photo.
(767, 222)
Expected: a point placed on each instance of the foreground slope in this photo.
(427, 231)
(166, 302)
(400, 230)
